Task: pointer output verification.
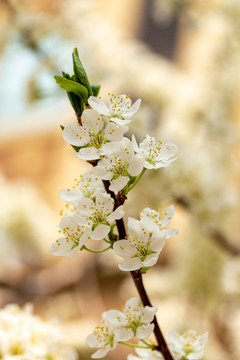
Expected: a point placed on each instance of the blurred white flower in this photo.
(155, 152)
(152, 220)
(96, 136)
(119, 108)
(24, 336)
(140, 249)
(189, 346)
(89, 185)
(119, 166)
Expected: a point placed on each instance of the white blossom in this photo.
(119, 166)
(103, 338)
(156, 153)
(189, 346)
(117, 326)
(88, 185)
(145, 354)
(153, 221)
(141, 248)
(24, 336)
(95, 137)
(119, 108)
(135, 320)
(75, 236)
(98, 215)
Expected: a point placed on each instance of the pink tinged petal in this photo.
(98, 105)
(130, 264)
(123, 249)
(62, 247)
(100, 232)
(150, 260)
(119, 183)
(171, 232)
(144, 331)
(70, 195)
(149, 313)
(130, 112)
(136, 165)
(168, 216)
(89, 153)
(114, 132)
(116, 215)
(73, 134)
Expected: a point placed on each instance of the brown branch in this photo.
(137, 278)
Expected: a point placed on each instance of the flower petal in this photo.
(144, 331)
(98, 105)
(130, 264)
(119, 183)
(62, 247)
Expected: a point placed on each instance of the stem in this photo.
(136, 181)
(136, 346)
(146, 343)
(137, 278)
(95, 251)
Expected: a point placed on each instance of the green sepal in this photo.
(144, 270)
(132, 179)
(80, 72)
(95, 89)
(72, 86)
(76, 148)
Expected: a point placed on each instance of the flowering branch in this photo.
(96, 207)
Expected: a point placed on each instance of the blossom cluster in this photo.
(117, 326)
(188, 346)
(96, 207)
(99, 139)
(24, 336)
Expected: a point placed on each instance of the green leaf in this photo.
(76, 101)
(72, 86)
(80, 72)
(95, 89)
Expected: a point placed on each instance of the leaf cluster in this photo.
(77, 86)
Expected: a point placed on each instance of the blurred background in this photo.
(182, 57)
